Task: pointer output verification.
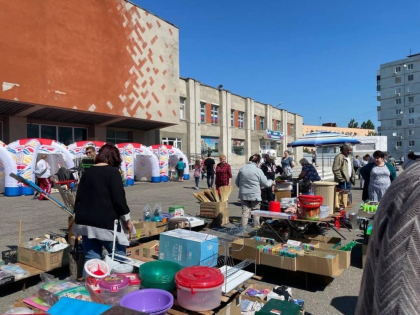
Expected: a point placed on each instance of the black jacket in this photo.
(100, 198)
(270, 169)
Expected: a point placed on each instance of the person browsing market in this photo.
(343, 168)
(43, 174)
(270, 169)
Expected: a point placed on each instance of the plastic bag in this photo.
(19, 310)
(147, 213)
(15, 270)
(157, 210)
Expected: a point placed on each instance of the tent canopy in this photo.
(323, 138)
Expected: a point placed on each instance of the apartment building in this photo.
(217, 121)
(398, 88)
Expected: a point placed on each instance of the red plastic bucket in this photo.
(309, 206)
(274, 206)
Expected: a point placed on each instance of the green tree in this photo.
(353, 124)
(367, 125)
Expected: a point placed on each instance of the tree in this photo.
(353, 124)
(372, 133)
(367, 125)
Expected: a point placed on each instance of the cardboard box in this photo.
(364, 253)
(135, 252)
(256, 287)
(278, 261)
(189, 248)
(146, 229)
(319, 263)
(151, 249)
(344, 257)
(233, 306)
(212, 209)
(283, 194)
(324, 239)
(245, 248)
(42, 260)
(222, 218)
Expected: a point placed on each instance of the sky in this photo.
(318, 57)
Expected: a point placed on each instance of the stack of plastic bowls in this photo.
(149, 301)
(159, 274)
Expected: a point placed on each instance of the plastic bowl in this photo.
(168, 286)
(150, 301)
(159, 271)
(97, 268)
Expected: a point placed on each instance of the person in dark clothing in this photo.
(100, 200)
(270, 169)
(209, 165)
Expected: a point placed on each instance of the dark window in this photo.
(49, 132)
(32, 131)
(65, 135)
(80, 134)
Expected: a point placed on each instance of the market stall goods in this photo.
(199, 288)
(159, 274)
(150, 301)
(113, 288)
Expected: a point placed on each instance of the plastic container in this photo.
(309, 206)
(274, 206)
(327, 191)
(159, 274)
(324, 211)
(20, 310)
(149, 301)
(123, 268)
(113, 288)
(199, 288)
(134, 281)
(97, 268)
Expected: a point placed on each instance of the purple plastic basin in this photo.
(151, 301)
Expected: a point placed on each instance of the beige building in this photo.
(220, 122)
(346, 131)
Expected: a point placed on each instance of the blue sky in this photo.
(317, 57)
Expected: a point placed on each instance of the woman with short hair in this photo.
(287, 164)
(223, 173)
(100, 200)
(378, 177)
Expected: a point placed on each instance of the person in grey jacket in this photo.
(250, 180)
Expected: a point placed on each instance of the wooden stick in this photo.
(20, 232)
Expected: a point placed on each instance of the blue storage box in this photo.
(67, 306)
(189, 248)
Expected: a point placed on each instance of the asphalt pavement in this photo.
(322, 296)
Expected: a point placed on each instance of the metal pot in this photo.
(353, 218)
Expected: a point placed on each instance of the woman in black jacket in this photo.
(100, 200)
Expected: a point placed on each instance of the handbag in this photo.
(76, 261)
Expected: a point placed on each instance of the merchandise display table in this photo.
(291, 221)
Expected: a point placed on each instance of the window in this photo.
(398, 91)
(32, 131)
(411, 99)
(273, 124)
(411, 110)
(398, 112)
(117, 136)
(278, 125)
(399, 143)
(65, 135)
(397, 79)
(410, 77)
(209, 145)
(182, 108)
(410, 88)
(238, 146)
(203, 112)
(411, 132)
(214, 114)
(411, 143)
(411, 121)
(399, 134)
(262, 120)
(397, 101)
(241, 120)
(232, 118)
(397, 69)
(398, 122)
(175, 142)
(410, 66)
(255, 122)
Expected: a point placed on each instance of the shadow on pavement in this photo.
(345, 304)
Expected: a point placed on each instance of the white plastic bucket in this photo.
(93, 265)
(123, 268)
(324, 211)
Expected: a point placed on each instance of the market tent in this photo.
(323, 139)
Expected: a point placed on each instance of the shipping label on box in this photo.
(42, 260)
(189, 248)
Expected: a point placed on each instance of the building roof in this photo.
(135, 4)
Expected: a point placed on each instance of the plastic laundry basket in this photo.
(326, 190)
